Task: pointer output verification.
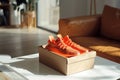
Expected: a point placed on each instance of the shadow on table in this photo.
(34, 66)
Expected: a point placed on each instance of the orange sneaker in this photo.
(59, 47)
(72, 44)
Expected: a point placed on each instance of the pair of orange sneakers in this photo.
(64, 46)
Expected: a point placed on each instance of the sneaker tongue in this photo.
(66, 38)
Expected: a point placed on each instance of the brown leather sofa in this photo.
(100, 33)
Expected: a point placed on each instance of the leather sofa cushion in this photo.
(80, 26)
(106, 48)
(110, 23)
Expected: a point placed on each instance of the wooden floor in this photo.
(19, 42)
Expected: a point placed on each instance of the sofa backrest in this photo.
(110, 23)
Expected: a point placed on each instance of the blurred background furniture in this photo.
(29, 19)
(4, 12)
(99, 32)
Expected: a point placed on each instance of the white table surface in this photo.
(29, 67)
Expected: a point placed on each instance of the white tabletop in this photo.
(29, 67)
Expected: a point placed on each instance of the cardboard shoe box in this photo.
(64, 65)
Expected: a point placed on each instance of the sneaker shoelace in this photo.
(72, 44)
(59, 44)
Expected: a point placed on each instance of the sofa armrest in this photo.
(79, 26)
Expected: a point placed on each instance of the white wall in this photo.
(71, 8)
(43, 12)
(114, 3)
(68, 8)
(48, 14)
(100, 6)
